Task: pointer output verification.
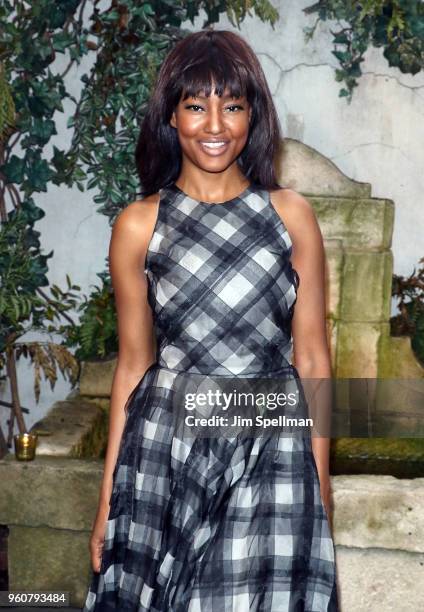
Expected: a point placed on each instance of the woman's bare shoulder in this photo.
(290, 201)
(137, 216)
(296, 211)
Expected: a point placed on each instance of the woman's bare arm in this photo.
(311, 353)
(131, 235)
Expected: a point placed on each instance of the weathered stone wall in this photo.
(49, 505)
(357, 231)
(378, 533)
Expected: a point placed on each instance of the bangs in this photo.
(227, 76)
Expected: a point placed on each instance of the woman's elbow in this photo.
(313, 364)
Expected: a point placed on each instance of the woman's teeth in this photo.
(214, 145)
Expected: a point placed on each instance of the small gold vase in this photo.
(25, 445)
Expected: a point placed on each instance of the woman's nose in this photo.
(214, 120)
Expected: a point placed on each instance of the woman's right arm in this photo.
(131, 235)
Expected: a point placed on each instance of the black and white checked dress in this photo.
(218, 524)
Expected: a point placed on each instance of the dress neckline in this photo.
(239, 196)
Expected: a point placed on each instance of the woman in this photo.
(212, 523)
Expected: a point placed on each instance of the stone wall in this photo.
(357, 231)
(378, 533)
(49, 505)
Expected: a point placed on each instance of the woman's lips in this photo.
(214, 148)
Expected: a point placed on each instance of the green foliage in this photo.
(31, 35)
(395, 25)
(236, 10)
(23, 269)
(7, 106)
(96, 334)
(410, 321)
(23, 307)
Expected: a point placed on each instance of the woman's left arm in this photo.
(311, 354)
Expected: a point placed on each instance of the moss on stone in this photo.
(94, 443)
(400, 457)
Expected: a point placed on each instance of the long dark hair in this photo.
(190, 67)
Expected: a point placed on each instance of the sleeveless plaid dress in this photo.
(215, 524)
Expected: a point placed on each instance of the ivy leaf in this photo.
(42, 130)
(59, 160)
(14, 169)
(62, 40)
(342, 56)
(341, 38)
(39, 174)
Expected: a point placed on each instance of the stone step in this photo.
(62, 431)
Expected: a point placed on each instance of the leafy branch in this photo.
(395, 25)
(410, 322)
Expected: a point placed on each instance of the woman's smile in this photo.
(213, 147)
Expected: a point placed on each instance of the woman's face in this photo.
(212, 131)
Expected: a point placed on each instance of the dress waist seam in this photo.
(288, 369)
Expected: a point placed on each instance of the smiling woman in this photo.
(211, 88)
(216, 522)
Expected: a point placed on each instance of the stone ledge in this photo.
(372, 580)
(366, 286)
(358, 344)
(65, 426)
(50, 492)
(334, 255)
(379, 511)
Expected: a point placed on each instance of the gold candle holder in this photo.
(25, 444)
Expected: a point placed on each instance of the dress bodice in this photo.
(221, 285)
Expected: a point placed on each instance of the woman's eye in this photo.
(193, 106)
(231, 108)
(235, 106)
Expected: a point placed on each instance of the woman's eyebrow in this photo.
(227, 97)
